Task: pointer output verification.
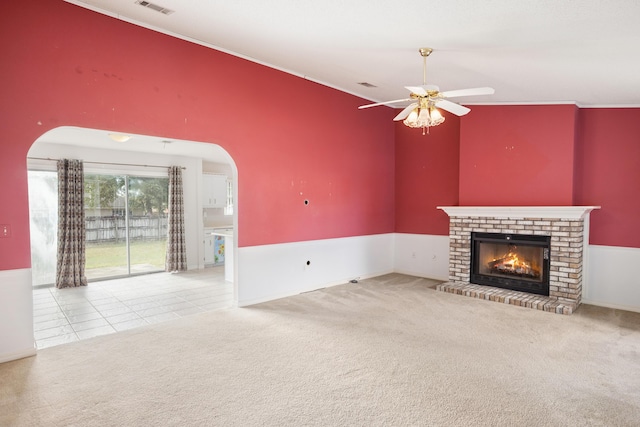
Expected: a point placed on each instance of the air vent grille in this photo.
(365, 84)
(155, 7)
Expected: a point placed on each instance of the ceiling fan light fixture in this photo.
(436, 116)
(412, 118)
(424, 116)
(422, 113)
(119, 137)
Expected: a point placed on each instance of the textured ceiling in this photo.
(544, 51)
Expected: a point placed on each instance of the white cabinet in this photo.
(214, 191)
(208, 249)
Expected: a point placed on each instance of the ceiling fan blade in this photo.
(452, 107)
(383, 103)
(468, 92)
(404, 113)
(418, 90)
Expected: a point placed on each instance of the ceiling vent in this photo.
(155, 7)
(365, 84)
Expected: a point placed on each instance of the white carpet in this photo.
(387, 351)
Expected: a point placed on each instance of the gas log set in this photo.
(512, 264)
(511, 261)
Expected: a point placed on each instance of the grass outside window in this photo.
(109, 255)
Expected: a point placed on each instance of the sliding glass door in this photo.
(125, 218)
(126, 224)
(105, 210)
(148, 202)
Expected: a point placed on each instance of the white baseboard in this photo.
(27, 352)
(623, 307)
(420, 274)
(246, 303)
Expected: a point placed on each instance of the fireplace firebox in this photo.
(511, 261)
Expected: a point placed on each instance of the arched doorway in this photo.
(105, 153)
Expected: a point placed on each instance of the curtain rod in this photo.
(106, 163)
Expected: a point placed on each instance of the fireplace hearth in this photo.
(527, 256)
(518, 262)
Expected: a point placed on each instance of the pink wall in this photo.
(426, 176)
(609, 173)
(517, 155)
(526, 155)
(66, 66)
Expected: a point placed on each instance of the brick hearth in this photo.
(568, 228)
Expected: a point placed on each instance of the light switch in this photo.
(5, 230)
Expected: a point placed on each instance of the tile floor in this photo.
(66, 315)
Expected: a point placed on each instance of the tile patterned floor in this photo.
(66, 315)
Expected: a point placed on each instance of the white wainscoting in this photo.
(16, 315)
(422, 255)
(269, 272)
(274, 271)
(612, 277)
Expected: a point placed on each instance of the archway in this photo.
(102, 151)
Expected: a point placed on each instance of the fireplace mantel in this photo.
(567, 212)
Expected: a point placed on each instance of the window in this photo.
(43, 224)
(228, 210)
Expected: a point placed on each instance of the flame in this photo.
(512, 264)
(513, 261)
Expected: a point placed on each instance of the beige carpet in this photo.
(389, 351)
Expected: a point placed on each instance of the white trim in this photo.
(611, 305)
(610, 106)
(249, 302)
(564, 212)
(542, 103)
(8, 357)
(524, 103)
(509, 103)
(16, 315)
(585, 255)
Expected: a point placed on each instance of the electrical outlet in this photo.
(5, 230)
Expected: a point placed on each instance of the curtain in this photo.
(71, 228)
(176, 259)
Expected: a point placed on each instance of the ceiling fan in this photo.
(422, 113)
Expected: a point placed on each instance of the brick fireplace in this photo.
(568, 229)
